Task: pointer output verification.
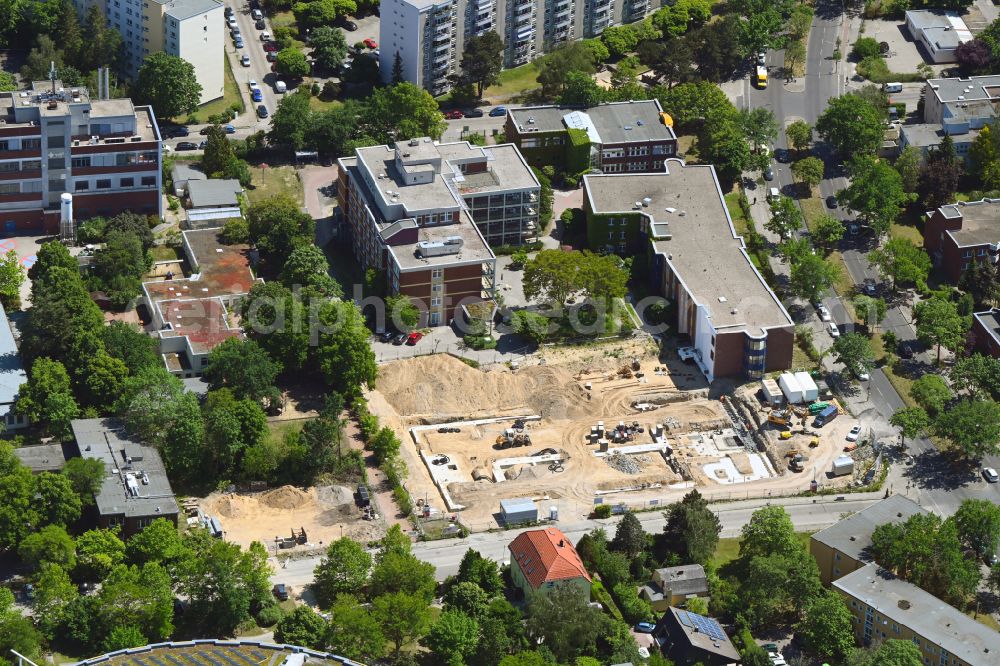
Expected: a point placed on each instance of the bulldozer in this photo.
(506, 439)
(795, 464)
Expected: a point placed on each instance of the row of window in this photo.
(539, 141)
(618, 168)
(106, 183)
(968, 253)
(20, 165)
(611, 235)
(20, 144)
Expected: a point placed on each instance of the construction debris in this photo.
(623, 463)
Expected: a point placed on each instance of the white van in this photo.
(893, 87)
(280, 87)
(256, 14)
(773, 194)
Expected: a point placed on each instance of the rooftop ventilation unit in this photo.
(414, 142)
(646, 201)
(450, 245)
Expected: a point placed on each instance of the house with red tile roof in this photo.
(542, 559)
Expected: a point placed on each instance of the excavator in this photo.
(780, 417)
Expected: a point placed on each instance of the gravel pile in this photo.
(623, 463)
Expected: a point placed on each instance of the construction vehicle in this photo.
(635, 363)
(814, 442)
(506, 439)
(796, 463)
(785, 434)
(761, 77)
(780, 417)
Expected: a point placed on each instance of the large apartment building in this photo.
(423, 212)
(430, 35)
(621, 136)
(679, 219)
(958, 234)
(53, 140)
(193, 30)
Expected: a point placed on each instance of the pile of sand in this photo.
(441, 385)
(285, 497)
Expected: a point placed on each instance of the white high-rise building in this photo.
(193, 30)
(430, 35)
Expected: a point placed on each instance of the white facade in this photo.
(430, 35)
(193, 30)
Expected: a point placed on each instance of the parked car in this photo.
(265, 37)
(229, 129)
(905, 349)
(228, 12)
(260, 25)
(498, 111)
(280, 592)
(645, 627)
(861, 374)
(186, 145)
(768, 174)
(833, 330)
(472, 113)
(238, 42)
(831, 202)
(203, 145)
(280, 87)
(414, 338)
(256, 95)
(990, 475)
(256, 15)
(869, 286)
(176, 131)
(386, 336)
(234, 32)
(272, 56)
(454, 115)
(252, 83)
(855, 433)
(205, 130)
(245, 60)
(349, 26)
(762, 57)
(399, 339)
(270, 47)
(370, 43)
(261, 111)
(824, 313)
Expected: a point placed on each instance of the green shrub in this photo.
(270, 615)
(632, 607)
(600, 594)
(478, 342)
(602, 511)
(368, 424)
(403, 500)
(865, 47)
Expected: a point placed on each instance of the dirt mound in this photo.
(442, 385)
(231, 506)
(335, 495)
(286, 497)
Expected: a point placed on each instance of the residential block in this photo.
(958, 234)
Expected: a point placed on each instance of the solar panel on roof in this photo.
(703, 625)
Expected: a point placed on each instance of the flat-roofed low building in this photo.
(620, 136)
(42, 457)
(885, 607)
(12, 376)
(958, 234)
(939, 32)
(136, 490)
(678, 218)
(192, 315)
(986, 332)
(843, 547)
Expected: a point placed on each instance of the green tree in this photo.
(827, 627)
(278, 321)
(11, 278)
(556, 275)
(159, 542)
(402, 313)
(401, 112)
(799, 134)
(827, 233)
(620, 39)
(344, 352)
(812, 275)
(307, 266)
(354, 632)
(581, 90)
(231, 427)
(692, 529)
(482, 61)
(671, 62)
(47, 398)
(168, 84)
(630, 538)
(278, 226)
(56, 499)
(402, 617)
(908, 166)
(972, 427)
(402, 572)
(49, 545)
(786, 218)
(124, 636)
(759, 126)
(290, 122)
(938, 323)
(939, 176)
(62, 312)
(977, 374)
(893, 652)
(243, 367)
(127, 343)
(98, 551)
(931, 392)
(452, 638)
(876, 192)
(17, 494)
(562, 620)
(344, 569)
(16, 630)
(556, 66)
(292, 63)
(769, 532)
(808, 170)
(901, 261)
(86, 476)
(763, 22)
(218, 152)
(303, 626)
(54, 591)
(911, 421)
(481, 571)
(978, 524)
(531, 325)
(137, 596)
(723, 143)
(851, 125)
(981, 281)
(329, 48)
(854, 351)
(869, 310)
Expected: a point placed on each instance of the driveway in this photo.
(26, 248)
(904, 54)
(319, 185)
(368, 28)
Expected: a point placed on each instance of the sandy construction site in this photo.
(672, 436)
(325, 513)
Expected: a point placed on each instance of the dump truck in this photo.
(761, 77)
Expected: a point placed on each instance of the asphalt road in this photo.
(259, 69)
(446, 555)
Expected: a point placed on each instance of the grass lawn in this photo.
(231, 96)
(908, 232)
(274, 181)
(279, 429)
(812, 209)
(686, 147)
(801, 360)
(901, 383)
(316, 104)
(163, 253)
(735, 212)
(729, 549)
(513, 82)
(986, 619)
(287, 20)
